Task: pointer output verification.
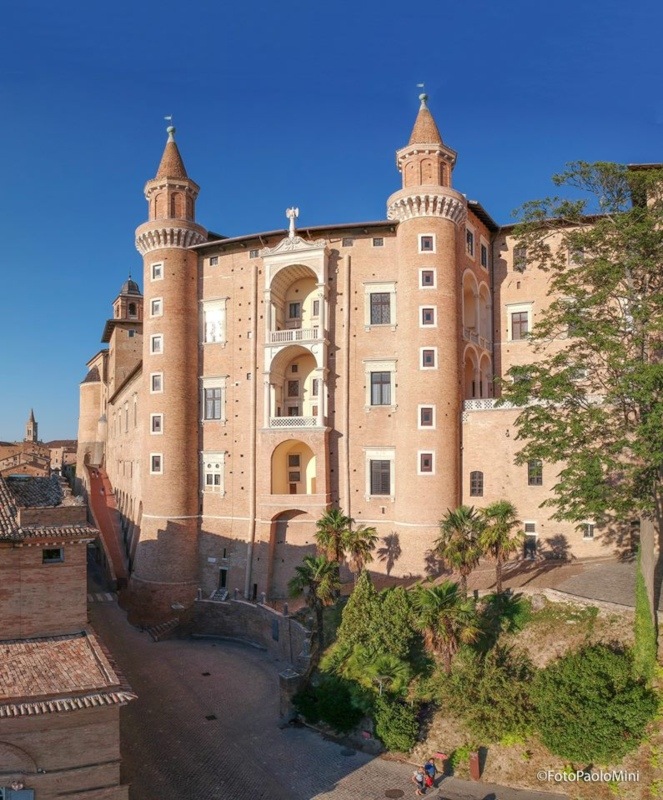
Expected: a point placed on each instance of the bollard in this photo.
(285, 609)
(235, 594)
(263, 598)
(475, 767)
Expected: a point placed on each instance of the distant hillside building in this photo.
(263, 379)
(60, 695)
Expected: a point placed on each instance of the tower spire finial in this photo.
(422, 96)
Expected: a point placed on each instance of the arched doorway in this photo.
(292, 538)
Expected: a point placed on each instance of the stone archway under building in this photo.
(292, 538)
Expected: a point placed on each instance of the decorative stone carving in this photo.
(291, 245)
(292, 214)
(427, 205)
(161, 238)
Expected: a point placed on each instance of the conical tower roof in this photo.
(32, 416)
(171, 165)
(425, 130)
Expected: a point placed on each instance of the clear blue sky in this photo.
(276, 104)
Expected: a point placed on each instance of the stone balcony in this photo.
(292, 335)
(472, 336)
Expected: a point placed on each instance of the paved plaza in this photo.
(206, 726)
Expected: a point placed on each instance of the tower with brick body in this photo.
(165, 565)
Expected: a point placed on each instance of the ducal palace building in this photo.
(259, 380)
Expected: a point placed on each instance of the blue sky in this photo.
(276, 104)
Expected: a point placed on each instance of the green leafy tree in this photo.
(458, 545)
(360, 615)
(380, 672)
(597, 377)
(395, 632)
(446, 618)
(501, 535)
(317, 580)
(589, 707)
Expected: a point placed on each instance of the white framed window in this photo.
(428, 358)
(425, 462)
(380, 472)
(156, 382)
(212, 472)
(519, 321)
(379, 303)
(156, 344)
(426, 417)
(427, 278)
(156, 272)
(427, 316)
(213, 261)
(469, 241)
(213, 399)
(530, 543)
(156, 307)
(587, 530)
(213, 319)
(380, 380)
(156, 423)
(426, 242)
(156, 464)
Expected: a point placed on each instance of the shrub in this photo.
(395, 723)
(333, 702)
(589, 707)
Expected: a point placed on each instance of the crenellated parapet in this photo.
(442, 202)
(149, 238)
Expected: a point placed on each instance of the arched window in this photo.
(476, 484)
(132, 309)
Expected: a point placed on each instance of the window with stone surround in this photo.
(156, 307)
(214, 321)
(427, 318)
(476, 484)
(428, 357)
(156, 272)
(519, 321)
(427, 279)
(380, 473)
(213, 399)
(212, 472)
(156, 382)
(425, 463)
(379, 303)
(587, 530)
(156, 344)
(156, 423)
(380, 377)
(426, 243)
(380, 388)
(426, 417)
(156, 463)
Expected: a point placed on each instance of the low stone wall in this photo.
(282, 637)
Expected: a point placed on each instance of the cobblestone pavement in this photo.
(171, 750)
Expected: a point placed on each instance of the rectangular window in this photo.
(347, 242)
(294, 460)
(519, 325)
(380, 388)
(484, 256)
(294, 368)
(469, 242)
(428, 316)
(426, 243)
(52, 555)
(156, 344)
(426, 417)
(156, 464)
(378, 241)
(380, 308)
(520, 259)
(212, 472)
(156, 307)
(212, 400)
(253, 253)
(156, 423)
(530, 527)
(131, 332)
(293, 411)
(428, 358)
(214, 260)
(380, 477)
(295, 310)
(476, 484)
(214, 321)
(293, 388)
(588, 530)
(426, 463)
(156, 382)
(156, 272)
(535, 472)
(294, 477)
(427, 278)
(316, 308)
(315, 387)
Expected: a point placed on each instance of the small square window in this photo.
(294, 368)
(427, 278)
(156, 307)
(254, 253)
(530, 527)
(428, 358)
(588, 530)
(425, 463)
(52, 555)
(156, 344)
(294, 460)
(131, 333)
(294, 477)
(156, 423)
(535, 472)
(378, 241)
(156, 466)
(156, 382)
(214, 260)
(426, 417)
(157, 272)
(484, 256)
(428, 316)
(426, 244)
(469, 242)
(347, 242)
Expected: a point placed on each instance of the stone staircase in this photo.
(163, 630)
(219, 595)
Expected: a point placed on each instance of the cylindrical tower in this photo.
(165, 567)
(431, 217)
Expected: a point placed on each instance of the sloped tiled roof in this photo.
(92, 376)
(171, 165)
(36, 492)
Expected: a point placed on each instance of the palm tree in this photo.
(318, 581)
(446, 618)
(458, 546)
(498, 538)
(330, 529)
(373, 669)
(359, 544)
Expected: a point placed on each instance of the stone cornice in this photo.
(441, 203)
(166, 238)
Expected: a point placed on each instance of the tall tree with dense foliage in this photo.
(317, 580)
(446, 618)
(458, 545)
(592, 399)
(358, 545)
(330, 531)
(501, 535)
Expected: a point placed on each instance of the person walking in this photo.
(430, 771)
(419, 780)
